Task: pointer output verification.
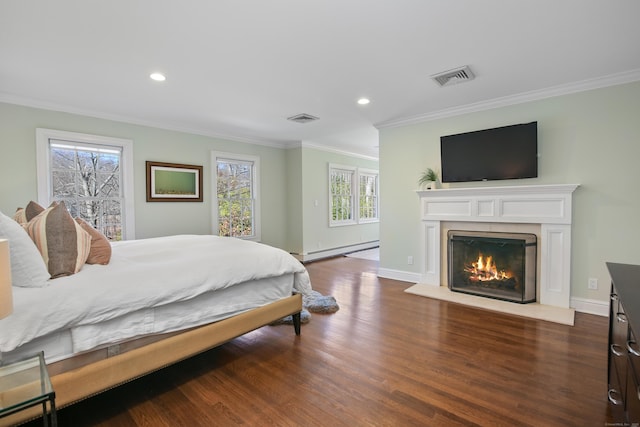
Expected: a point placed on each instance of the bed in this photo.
(158, 301)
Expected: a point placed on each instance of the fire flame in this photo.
(485, 269)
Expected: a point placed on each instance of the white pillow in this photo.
(28, 269)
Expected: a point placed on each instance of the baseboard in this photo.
(403, 276)
(327, 253)
(590, 306)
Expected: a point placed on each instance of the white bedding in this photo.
(143, 274)
(209, 307)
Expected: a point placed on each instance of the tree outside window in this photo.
(236, 196)
(92, 175)
(87, 179)
(341, 194)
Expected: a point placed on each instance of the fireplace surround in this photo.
(547, 208)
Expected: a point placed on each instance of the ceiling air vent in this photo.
(302, 118)
(452, 77)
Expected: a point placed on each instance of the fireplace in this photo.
(546, 207)
(493, 264)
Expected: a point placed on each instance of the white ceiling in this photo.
(238, 68)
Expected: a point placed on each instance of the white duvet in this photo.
(141, 274)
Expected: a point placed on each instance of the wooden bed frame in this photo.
(79, 383)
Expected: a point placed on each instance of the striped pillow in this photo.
(63, 244)
(20, 216)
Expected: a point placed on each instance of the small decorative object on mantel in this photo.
(429, 179)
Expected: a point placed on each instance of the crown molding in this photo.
(34, 103)
(284, 144)
(575, 87)
(335, 150)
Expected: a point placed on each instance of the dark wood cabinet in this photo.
(624, 351)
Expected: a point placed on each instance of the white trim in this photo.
(506, 101)
(374, 173)
(354, 197)
(590, 306)
(36, 103)
(555, 265)
(331, 150)
(257, 223)
(403, 276)
(581, 86)
(544, 204)
(549, 206)
(279, 144)
(343, 167)
(355, 190)
(431, 252)
(366, 171)
(44, 177)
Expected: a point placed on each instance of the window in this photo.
(92, 175)
(368, 195)
(353, 195)
(237, 202)
(341, 194)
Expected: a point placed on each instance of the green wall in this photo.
(291, 179)
(590, 138)
(18, 170)
(295, 234)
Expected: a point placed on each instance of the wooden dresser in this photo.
(624, 350)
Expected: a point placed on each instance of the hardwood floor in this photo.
(386, 358)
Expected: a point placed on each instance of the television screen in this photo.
(509, 152)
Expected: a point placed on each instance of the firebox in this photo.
(493, 264)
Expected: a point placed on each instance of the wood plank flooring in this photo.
(386, 358)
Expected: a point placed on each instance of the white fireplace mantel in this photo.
(546, 205)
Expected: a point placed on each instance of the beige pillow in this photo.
(24, 215)
(100, 252)
(20, 216)
(63, 244)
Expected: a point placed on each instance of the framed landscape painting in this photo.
(173, 182)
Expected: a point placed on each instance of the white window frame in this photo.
(376, 174)
(355, 193)
(255, 173)
(43, 163)
(354, 200)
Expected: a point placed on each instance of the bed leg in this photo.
(296, 322)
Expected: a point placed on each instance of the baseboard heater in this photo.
(327, 253)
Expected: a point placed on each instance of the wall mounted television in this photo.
(508, 152)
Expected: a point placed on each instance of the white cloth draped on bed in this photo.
(143, 274)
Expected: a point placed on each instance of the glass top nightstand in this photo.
(25, 384)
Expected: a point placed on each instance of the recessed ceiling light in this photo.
(363, 101)
(158, 77)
